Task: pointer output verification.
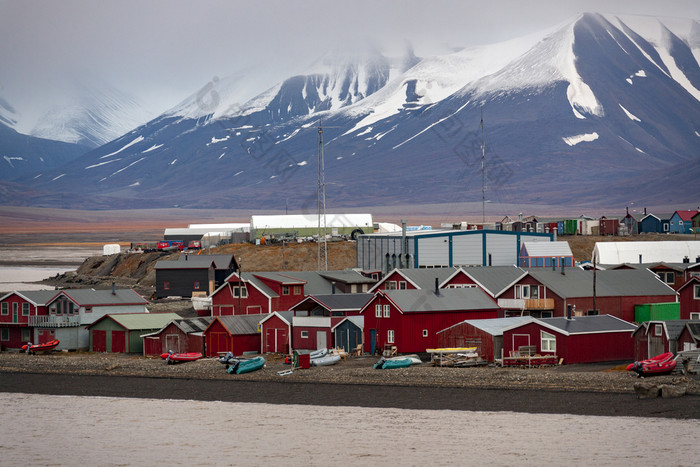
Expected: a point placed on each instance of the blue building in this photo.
(681, 222)
(655, 223)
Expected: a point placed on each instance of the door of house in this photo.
(15, 313)
(217, 342)
(281, 341)
(118, 341)
(656, 346)
(372, 340)
(99, 341)
(321, 340)
(172, 342)
(520, 340)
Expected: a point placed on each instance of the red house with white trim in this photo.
(15, 310)
(236, 334)
(689, 296)
(410, 319)
(276, 332)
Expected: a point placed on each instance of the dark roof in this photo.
(417, 300)
(694, 329)
(589, 324)
(241, 324)
(192, 325)
(91, 297)
(342, 302)
(493, 326)
(494, 278)
(577, 282)
(280, 277)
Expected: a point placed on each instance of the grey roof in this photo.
(38, 297)
(88, 297)
(494, 278)
(192, 325)
(196, 262)
(577, 282)
(589, 324)
(315, 284)
(493, 326)
(694, 328)
(281, 277)
(347, 276)
(357, 320)
(547, 248)
(424, 278)
(417, 300)
(675, 327)
(241, 324)
(342, 302)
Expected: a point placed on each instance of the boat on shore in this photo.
(661, 364)
(326, 360)
(242, 366)
(391, 364)
(173, 357)
(43, 347)
(415, 359)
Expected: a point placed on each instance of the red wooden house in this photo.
(15, 310)
(311, 332)
(180, 335)
(235, 334)
(689, 339)
(276, 332)
(547, 293)
(348, 304)
(581, 339)
(484, 334)
(689, 296)
(656, 337)
(410, 319)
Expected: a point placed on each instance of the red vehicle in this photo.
(167, 245)
(194, 245)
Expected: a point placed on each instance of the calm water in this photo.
(73, 430)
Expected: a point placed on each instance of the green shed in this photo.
(121, 333)
(657, 312)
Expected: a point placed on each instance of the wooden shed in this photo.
(656, 337)
(121, 333)
(180, 335)
(311, 332)
(583, 339)
(347, 332)
(689, 338)
(484, 334)
(276, 332)
(237, 334)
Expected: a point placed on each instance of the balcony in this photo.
(532, 304)
(52, 321)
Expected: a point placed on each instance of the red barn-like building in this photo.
(180, 335)
(689, 296)
(15, 310)
(236, 334)
(276, 332)
(583, 339)
(410, 319)
(484, 334)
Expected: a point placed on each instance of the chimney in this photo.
(686, 259)
(640, 258)
(333, 287)
(437, 290)
(697, 259)
(645, 211)
(563, 271)
(114, 289)
(186, 256)
(554, 263)
(568, 311)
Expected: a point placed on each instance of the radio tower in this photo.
(322, 247)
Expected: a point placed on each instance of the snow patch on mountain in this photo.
(128, 145)
(152, 148)
(586, 137)
(629, 114)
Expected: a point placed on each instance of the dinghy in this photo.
(384, 364)
(662, 364)
(45, 347)
(172, 357)
(246, 366)
(325, 361)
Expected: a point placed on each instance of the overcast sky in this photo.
(161, 51)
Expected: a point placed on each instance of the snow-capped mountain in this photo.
(93, 116)
(8, 115)
(592, 111)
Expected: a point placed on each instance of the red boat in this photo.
(46, 346)
(662, 364)
(172, 357)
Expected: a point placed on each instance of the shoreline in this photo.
(579, 391)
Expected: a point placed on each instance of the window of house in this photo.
(5, 334)
(696, 295)
(667, 276)
(386, 311)
(546, 314)
(377, 311)
(166, 285)
(402, 285)
(88, 309)
(535, 292)
(390, 336)
(242, 291)
(25, 309)
(196, 285)
(26, 335)
(665, 227)
(304, 334)
(522, 291)
(375, 276)
(390, 285)
(425, 333)
(6, 308)
(592, 312)
(297, 290)
(658, 329)
(680, 222)
(548, 342)
(285, 290)
(695, 316)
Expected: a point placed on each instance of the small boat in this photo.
(415, 359)
(390, 364)
(325, 361)
(662, 364)
(172, 357)
(452, 350)
(44, 347)
(318, 353)
(246, 365)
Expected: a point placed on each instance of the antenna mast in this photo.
(322, 250)
(483, 170)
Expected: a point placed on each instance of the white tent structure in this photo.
(307, 224)
(646, 252)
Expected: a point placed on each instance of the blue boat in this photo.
(384, 364)
(246, 366)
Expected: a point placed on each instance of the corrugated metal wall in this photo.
(467, 250)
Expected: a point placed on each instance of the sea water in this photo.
(77, 430)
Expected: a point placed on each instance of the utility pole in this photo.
(483, 170)
(322, 247)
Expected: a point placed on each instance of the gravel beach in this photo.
(576, 389)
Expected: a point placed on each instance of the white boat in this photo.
(318, 354)
(325, 361)
(415, 359)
